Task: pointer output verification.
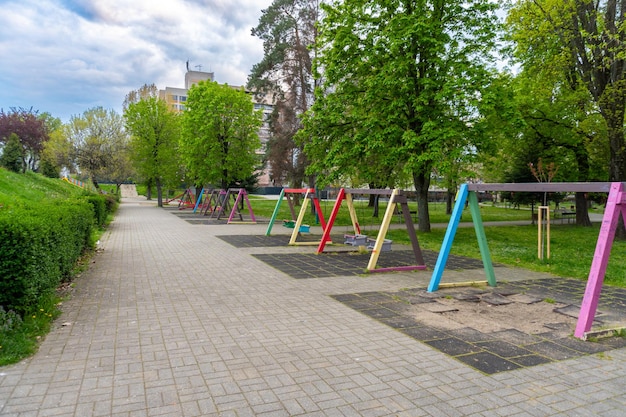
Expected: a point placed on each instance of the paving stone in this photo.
(399, 322)
(471, 335)
(530, 360)
(379, 313)
(503, 349)
(496, 299)
(488, 363)
(515, 336)
(424, 333)
(553, 350)
(474, 298)
(453, 346)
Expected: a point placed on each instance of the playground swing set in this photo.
(380, 244)
(238, 196)
(296, 222)
(185, 200)
(210, 201)
(615, 207)
(217, 202)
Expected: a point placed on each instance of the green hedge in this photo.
(39, 246)
(99, 207)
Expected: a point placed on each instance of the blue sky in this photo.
(66, 56)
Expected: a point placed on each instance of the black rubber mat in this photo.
(260, 241)
(332, 264)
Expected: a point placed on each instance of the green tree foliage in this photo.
(220, 134)
(154, 145)
(288, 30)
(589, 37)
(400, 82)
(570, 69)
(97, 139)
(12, 154)
(58, 151)
(31, 130)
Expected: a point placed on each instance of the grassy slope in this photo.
(32, 188)
(29, 189)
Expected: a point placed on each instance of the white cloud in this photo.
(64, 57)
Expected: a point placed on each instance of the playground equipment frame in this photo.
(396, 197)
(616, 206)
(241, 195)
(309, 194)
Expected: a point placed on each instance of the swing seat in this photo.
(355, 240)
(290, 224)
(386, 244)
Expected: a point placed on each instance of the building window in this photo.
(183, 98)
(174, 97)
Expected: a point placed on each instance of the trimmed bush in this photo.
(99, 205)
(39, 248)
(27, 265)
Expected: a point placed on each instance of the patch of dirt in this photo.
(530, 318)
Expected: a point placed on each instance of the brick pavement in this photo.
(172, 321)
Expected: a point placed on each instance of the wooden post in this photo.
(275, 213)
(615, 206)
(482, 238)
(444, 252)
(383, 231)
(541, 248)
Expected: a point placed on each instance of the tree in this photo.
(12, 154)
(57, 151)
(574, 49)
(220, 134)
(31, 131)
(288, 30)
(401, 79)
(97, 138)
(50, 165)
(154, 145)
(144, 92)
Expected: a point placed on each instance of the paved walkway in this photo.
(172, 321)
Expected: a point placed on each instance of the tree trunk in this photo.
(582, 211)
(159, 188)
(373, 200)
(421, 180)
(449, 200)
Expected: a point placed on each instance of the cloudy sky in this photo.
(66, 56)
